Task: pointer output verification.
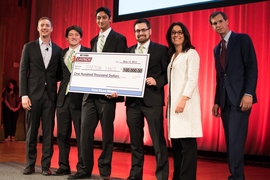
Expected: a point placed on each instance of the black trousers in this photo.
(41, 110)
(10, 121)
(184, 158)
(93, 111)
(235, 123)
(65, 116)
(135, 121)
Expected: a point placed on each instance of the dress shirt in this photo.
(145, 47)
(106, 34)
(46, 51)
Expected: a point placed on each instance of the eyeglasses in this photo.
(141, 30)
(178, 32)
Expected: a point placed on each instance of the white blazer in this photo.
(183, 74)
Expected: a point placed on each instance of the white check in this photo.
(105, 73)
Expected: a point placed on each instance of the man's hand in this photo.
(113, 95)
(246, 102)
(26, 103)
(150, 81)
(216, 110)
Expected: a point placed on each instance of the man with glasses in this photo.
(150, 106)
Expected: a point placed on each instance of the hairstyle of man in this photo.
(138, 21)
(214, 14)
(104, 9)
(76, 28)
(45, 18)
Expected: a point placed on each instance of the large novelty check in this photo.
(105, 73)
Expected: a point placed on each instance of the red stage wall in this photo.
(252, 19)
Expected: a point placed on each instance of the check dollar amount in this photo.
(104, 73)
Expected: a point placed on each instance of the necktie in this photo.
(69, 65)
(141, 50)
(101, 43)
(223, 54)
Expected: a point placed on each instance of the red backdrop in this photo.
(252, 19)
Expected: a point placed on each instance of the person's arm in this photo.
(160, 81)
(23, 77)
(251, 72)
(193, 64)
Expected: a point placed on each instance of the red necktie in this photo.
(223, 54)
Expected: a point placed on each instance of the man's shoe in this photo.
(78, 175)
(29, 170)
(132, 178)
(60, 172)
(46, 172)
(104, 178)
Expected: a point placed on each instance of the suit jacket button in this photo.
(224, 74)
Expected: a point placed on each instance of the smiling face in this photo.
(177, 36)
(142, 32)
(74, 38)
(103, 21)
(44, 28)
(220, 25)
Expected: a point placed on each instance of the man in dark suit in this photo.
(236, 76)
(150, 106)
(100, 107)
(39, 68)
(68, 103)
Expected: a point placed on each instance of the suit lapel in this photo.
(64, 56)
(94, 48)
(151, 48)
(133, 49)
(37, 49)
(230, 47)
(53, 53)
(108, 41)
(217, 55)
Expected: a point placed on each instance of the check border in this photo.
(105, 73)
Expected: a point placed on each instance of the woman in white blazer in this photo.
(184, 112)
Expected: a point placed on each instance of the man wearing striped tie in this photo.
(68, 103)
(101, 108)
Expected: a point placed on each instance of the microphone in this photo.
(47, 49)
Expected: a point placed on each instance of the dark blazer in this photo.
(32, 81)
(115, 42)
(157, 68)
(240, 75)
(75, 98)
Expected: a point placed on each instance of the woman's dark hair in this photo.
(187, 42)
(15, 89)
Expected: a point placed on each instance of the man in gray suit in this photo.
(39, 71)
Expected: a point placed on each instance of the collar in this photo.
(105, 33)
(226, 38)
(145, 45)
(77, 49)
(41, 42)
